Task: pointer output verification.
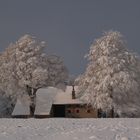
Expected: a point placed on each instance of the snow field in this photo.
(69, 129)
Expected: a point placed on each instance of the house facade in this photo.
(73, 111)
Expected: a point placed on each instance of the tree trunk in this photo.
(32, 94)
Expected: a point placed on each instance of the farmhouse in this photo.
(66, 105)
(53, 102)
(21, 110)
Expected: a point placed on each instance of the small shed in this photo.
(21, 109)
(44, 101)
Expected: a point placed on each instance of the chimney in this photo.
(73, 92)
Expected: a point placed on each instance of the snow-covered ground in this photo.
(69, 129)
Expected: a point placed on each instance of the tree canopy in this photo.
(25, 67)
(112, 77)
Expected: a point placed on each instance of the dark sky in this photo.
(69, 26)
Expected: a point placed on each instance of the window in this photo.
(77, 111)
(69, 111)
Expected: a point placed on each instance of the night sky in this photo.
(69, 26)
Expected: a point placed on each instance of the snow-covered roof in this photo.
(65, 97)
(21, 108)
(46, 97)
(44, 100)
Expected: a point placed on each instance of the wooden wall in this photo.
(80, 111)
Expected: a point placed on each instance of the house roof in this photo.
(46, 97)
(65, 97)
(44, 100)
(21, 108)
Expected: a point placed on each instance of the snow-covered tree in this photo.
(112, 77)
(25, 67)
(34, 68)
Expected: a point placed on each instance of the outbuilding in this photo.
(21, 109)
